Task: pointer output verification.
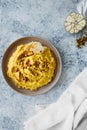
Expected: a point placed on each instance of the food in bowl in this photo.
(31, 66)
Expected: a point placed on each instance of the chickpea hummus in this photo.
(31, 66)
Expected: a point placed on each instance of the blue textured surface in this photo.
(44, 18)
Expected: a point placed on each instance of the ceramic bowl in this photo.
(25, 40)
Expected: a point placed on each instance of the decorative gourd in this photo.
(75, 22)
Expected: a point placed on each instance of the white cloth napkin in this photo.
(67, 112)
(82, 8)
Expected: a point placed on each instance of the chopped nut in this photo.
(28, 63)
(26, 55)
(24, 67)
(37, 63)
(16, 69)
(25, 78)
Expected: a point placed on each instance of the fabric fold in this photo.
(51, 115)
(67, 112)
(82, 8)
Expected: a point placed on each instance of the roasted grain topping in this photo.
(81, 41)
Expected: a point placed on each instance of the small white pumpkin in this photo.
(75, 22)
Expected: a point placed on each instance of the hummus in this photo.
(31, 66)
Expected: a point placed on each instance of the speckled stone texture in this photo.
(44, 18)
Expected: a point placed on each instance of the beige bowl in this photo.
(13, 47)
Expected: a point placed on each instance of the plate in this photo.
(25, 40)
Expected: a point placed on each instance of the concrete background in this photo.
(44, 18)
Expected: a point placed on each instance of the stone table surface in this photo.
(44, 18)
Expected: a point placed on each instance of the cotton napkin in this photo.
(67, 112)
(82, 8)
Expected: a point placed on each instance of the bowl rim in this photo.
(54, 83)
